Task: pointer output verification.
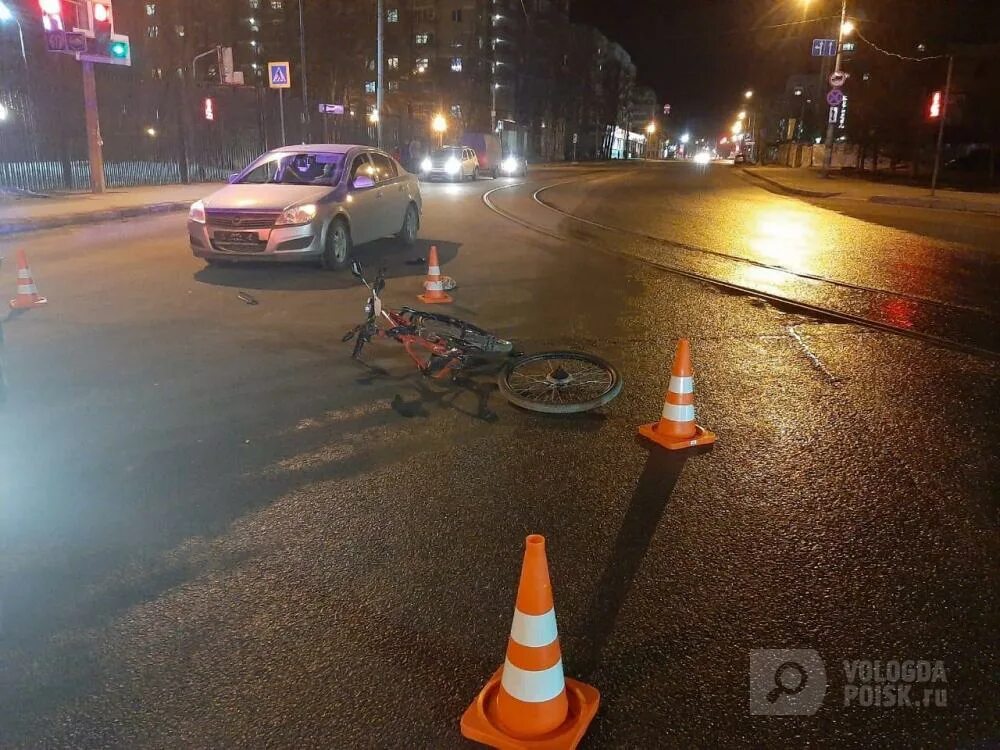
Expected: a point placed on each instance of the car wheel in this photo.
(337, 252)
(475, 173)
(411, 223)
(496, 173)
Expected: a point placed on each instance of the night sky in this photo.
(700, 55)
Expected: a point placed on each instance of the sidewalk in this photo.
(808, 183)
(26, 214)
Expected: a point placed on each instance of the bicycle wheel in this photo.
(559, 382)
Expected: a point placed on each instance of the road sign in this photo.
(824, 48)
(834, 114)
(842, 120)
(279, 75)
(55, 40)
(838, 78)
(331, 109)
(76, 41)
(834, 97)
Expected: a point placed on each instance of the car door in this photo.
(392, 194)
(471, 162)
(363, 202)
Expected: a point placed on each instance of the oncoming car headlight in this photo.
(452, 166)
(197, 212)
(297, 215)
(426, 165)
(702, 157)
(509, 165)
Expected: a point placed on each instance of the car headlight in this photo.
(702, 157)
(297, 215)
(426, 165)
(451, 166)
(509, 164)
(197, 212)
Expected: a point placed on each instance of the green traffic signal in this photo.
(119, 50)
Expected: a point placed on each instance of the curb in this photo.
(946, 204)
(92, 217)
(790, 190)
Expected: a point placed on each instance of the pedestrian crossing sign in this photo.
(279, 75)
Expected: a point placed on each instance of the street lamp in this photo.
(737, 127)
(748, 94)
(6, 14)
(847, 27)
(685, 137)
(742, 115)
(439, 125)
(4, 113)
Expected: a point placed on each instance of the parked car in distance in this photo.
(450, 163)
(307, 202)
(488, 152)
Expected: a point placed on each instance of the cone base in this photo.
(19, 304)
(479, 722)
(437, 300)
(701, 437)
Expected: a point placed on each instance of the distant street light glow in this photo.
(651, 128)
(747, 94)
(847, 27)
(439, 124)
(4, 113)
(742, 115)
(685, 138)
(5, 14)
(151, 132)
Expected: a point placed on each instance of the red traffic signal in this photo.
(102, 12)
(208, 108)
(51, 7)
(934, 108)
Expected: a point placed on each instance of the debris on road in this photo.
(248, 298)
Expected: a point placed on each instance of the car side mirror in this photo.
(356, 270)
(362, 182)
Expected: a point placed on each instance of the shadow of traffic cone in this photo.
(528, 703)
(676, 428)
(27, 292)
(434, 285)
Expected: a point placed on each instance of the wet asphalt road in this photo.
(219, 531)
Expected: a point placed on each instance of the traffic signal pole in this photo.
(944, 116)
(828, 154)
(95, 154)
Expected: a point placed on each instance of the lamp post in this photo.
(439, 124)
(650, 130)
(846, 27)
(6, 14)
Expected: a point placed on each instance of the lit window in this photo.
(392, 15)
(157, 73)
(456, 64)
(422, 38)
(393, 63)
(456, 15)
(152, 31)
(456, 111)
(150, 9)
(370, 87)
(179, 29)
(254, 4)
(422, 64)
(393, 85)
(277, 4)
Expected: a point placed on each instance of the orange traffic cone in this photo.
(528, 703)
(676, 428)
(27, 292)
(435, 293)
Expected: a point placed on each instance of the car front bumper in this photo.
(275, 244)
(439, 173)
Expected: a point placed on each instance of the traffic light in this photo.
(101, 22)
(52, 15)
(119, 50)
(208, 108)
(934, 107)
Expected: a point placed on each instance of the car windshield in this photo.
(295, 168)
(447, 153)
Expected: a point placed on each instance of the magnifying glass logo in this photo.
(789, 679)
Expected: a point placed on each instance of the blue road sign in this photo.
(824, 48)
(834, 97)
(279, 75)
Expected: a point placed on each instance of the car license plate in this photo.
(248, 237)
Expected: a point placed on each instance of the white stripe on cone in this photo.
(23, 273)
(533, 687)
(27, 289)
(433, 270)
(434, 286)
(534, 630)
(678, 412)
(681, 384)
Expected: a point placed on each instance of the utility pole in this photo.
(944, 116)
(305, 82)
(380, 71)
(94, 143)
(828, 155)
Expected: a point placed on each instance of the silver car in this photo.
(307, 202)
(450, 163)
